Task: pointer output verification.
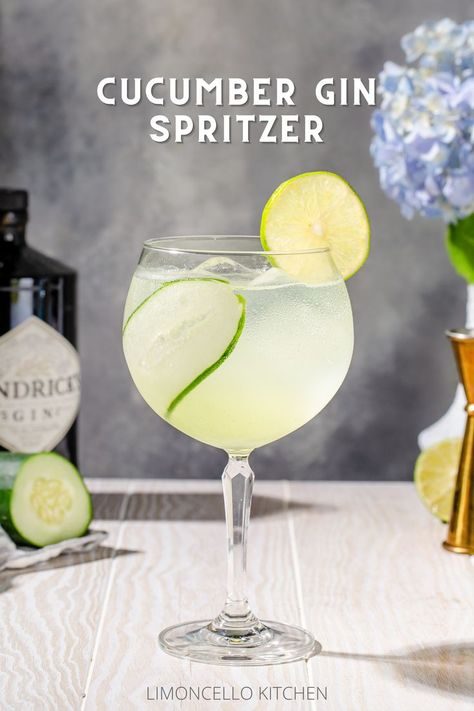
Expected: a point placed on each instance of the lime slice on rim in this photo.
(180, 335)
(435, 476)
(316, 210)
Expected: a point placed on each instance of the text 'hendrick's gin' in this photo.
(39, 365)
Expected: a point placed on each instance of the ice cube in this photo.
(272, 277)
(220, 266)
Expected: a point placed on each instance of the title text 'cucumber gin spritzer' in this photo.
(238, 341)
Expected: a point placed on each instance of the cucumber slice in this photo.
(179, 335)
(43, 499)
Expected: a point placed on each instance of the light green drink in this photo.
(238, 341)
(291, 356)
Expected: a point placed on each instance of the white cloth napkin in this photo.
(13, 557)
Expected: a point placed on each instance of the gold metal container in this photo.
(460, 538)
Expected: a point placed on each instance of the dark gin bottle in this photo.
(39, 365)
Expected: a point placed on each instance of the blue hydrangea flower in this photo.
(424, 128)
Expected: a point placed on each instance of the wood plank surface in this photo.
(183, 578)
(393, 610)
(358, 564)
(48, 621)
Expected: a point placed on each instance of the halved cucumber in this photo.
(43, 498)
(179, 335)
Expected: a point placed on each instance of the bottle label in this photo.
(39, 387)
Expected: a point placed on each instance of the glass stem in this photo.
(237, 483)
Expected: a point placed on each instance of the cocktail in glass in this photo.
(230, 348)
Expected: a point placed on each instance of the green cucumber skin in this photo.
(165, 285)
(10, 465)
(5, 520)
(202, 376)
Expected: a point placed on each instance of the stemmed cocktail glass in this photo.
(229, 348)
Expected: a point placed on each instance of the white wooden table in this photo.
(358, 564)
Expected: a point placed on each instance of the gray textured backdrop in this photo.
(99, 186)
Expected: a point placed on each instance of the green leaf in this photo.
(460, 247)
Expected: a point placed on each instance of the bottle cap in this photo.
(13, 200)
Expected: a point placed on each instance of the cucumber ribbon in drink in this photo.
(186, 328)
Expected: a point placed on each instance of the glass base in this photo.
(264, 643)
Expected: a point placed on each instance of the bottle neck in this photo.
(12, 230)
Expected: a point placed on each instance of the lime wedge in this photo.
(435, 476)
(316, 210)
(179, 335)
